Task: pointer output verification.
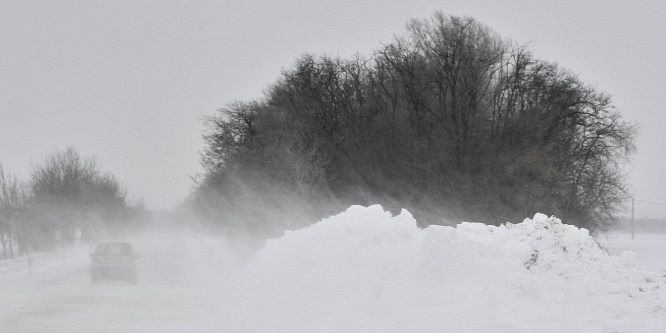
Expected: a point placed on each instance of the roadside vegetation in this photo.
(67, 198)
(449, 120)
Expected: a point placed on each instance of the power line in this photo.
(632, 211)
(650, 202)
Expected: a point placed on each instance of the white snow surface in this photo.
(367, 271)
(362, 270)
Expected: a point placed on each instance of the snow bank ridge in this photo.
(365, 270)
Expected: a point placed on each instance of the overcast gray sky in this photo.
(127, 81)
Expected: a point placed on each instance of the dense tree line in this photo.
(67, 197)
(449, 120)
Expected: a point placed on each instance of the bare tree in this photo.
(449, 120)
(70, 193)
(12, 202)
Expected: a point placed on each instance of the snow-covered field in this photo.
(360, 271)
(650, 248)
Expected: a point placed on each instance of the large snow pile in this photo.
(366, 271)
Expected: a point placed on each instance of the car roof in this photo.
(113, 243)
(105, 244)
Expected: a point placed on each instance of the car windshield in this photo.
(113, 250)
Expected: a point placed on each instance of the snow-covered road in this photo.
(177, 279)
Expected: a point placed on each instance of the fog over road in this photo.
(180, 277)
(363, 270)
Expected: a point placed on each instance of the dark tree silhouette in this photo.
(449, 120)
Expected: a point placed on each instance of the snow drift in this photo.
(367, 271)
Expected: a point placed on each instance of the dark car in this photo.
(114, 261)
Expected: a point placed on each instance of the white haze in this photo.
(126, 81)
(362, 270)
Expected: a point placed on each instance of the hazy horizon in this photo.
(129, 82)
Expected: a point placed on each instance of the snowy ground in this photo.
(360, 271)
(177, 275)
(650, 248)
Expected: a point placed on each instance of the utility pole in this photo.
(632, 218)
(633, 200)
